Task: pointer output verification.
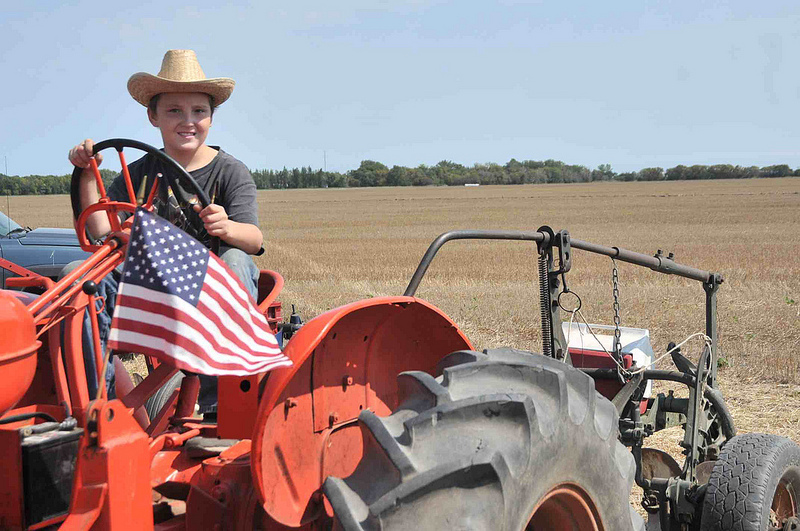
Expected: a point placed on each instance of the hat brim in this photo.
(143, 86)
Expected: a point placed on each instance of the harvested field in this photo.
(335, 246)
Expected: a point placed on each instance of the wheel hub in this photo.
(565, 508)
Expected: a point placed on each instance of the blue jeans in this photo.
(239, 262)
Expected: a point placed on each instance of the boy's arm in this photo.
(79, 156)
(244, 236)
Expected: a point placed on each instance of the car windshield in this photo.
(7, 225)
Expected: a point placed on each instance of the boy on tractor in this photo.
(180, 102)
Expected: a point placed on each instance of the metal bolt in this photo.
(347, 380)
(290, 402)
(219, 493)
(333, 419)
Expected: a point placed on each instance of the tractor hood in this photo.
(65, 237)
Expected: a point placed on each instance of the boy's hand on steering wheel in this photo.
(215, 220)
(81, 154)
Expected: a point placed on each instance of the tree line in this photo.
(445, 173)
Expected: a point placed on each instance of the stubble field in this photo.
(335, 246)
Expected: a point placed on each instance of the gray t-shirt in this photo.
(225, 179)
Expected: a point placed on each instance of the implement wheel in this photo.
(503, 440)
(754, 486)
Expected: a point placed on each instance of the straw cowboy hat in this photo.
(180, 72)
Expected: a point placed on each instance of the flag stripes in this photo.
(182, 304)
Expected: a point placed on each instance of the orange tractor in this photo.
(387, 420)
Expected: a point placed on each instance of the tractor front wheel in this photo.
(754, 486)
(502, 440)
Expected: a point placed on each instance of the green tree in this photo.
(369, 173)
(603, 173)
(651, 174)
(779, 170)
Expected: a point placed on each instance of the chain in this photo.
(617, 333)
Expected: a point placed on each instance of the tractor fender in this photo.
(345, 361)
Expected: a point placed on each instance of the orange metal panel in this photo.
(11, 502)
(115, 459)
(299, 411)
(237, 405)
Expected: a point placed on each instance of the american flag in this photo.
(179, 302)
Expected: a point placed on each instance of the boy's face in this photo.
(184, 120)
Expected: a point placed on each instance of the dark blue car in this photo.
(43, 251)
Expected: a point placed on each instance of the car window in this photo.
(7, 225)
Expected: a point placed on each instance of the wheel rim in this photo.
(564, 508)
(784, 503)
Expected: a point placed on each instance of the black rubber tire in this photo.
(478, 447)
(744, 481)
(159, 398)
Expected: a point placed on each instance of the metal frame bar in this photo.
(543, 238)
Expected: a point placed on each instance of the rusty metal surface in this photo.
(658, 464)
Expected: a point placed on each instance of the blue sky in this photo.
(628, 83)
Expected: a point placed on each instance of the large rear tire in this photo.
(159, 399)
(503, 440)
(754, 486)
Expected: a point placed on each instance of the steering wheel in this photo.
(175, 174)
